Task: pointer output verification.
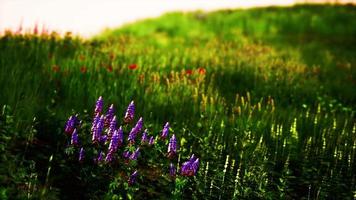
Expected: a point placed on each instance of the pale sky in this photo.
(89, 17)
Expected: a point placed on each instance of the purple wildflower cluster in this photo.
(190, 167)
(108, 145)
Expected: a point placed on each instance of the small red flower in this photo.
(55, 68)
(109, 68)
(201, 70)
(133, 66)
(188, 72)
(81, 57)
(83, 69)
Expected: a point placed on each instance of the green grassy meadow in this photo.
(265, 98)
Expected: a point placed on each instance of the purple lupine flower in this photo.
(109, 115)
(120, 134)
(70, 124)
(165, 131)
(135, 154)
(98, 130)
(144, 138)
(100, 157)
(172, 170)
(81, 155)
(152, 141)
(99, 106)
(135, 130)
(172, 147)
(114, 142)
(95, 122)
(109, 157)
(130, 112)
(103, 139)
(112, 126)
(190, 167)
(126, 154)
(74, 139)
(132, 178)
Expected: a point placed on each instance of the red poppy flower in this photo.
(132, 66)
(55, 68)
(109, 68)
(83, 69)
(201, 70)
(188, 72)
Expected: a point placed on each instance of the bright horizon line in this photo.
(90, 17)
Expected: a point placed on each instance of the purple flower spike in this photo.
(135, 154)
(114, 142)
(70, 124)
(109, 115)
(98, 130)
(126, 154)
(81, 154)
(172, 171)
(165, 131)
(132, 178)
(74, 139)
(112, 126)
(109, 157)
(152, 141)
(95, 122)
(135, 130)
(130, 112)
(190, 167)
(103, 139)
(144, 139)
(120, 134)
(100, 157)
(99, 105)
(172, 147)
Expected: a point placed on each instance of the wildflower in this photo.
(190, 167)
(172, 170)
(135, 130)
(135, 154)
(188, 72)
(98, 130)
(112, 126)
(55, 68)
(114, 142)
(165, 131)
(99, 105)
(120, 134)
(144, 139)
(81, 154)
(74, 139)
(109, 68)
(109, 115)
(201, 70)
(172, 147)
(132, 178)
(100, 157)
(103, 139)
(126, 154)
(133, 66)
(152, 141)
(70, 125)
(109, 157)
(130, 112)
(95, 122)
(83, 69)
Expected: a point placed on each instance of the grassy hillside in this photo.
(264, 97)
